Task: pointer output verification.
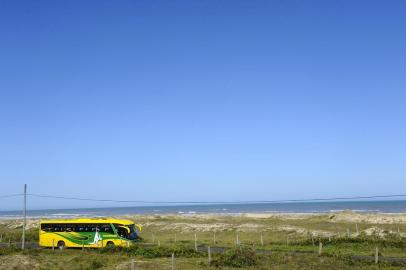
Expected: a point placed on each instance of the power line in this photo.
(128, 201)
(10, 195)
(107, 200)
(206, 202)
(219, 202)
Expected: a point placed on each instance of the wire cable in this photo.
(219, 202)
(10, 195)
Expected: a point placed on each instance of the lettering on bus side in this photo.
(77, 227)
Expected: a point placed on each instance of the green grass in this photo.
(92, 259)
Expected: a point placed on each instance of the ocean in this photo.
(398, 206)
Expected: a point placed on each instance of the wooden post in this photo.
(9, 243)
(237, 240)
(195, 242)
(320, 248)
(348, 232)
(356, 228)
(173, 261)
(132, 264)
(24, 217)
(329, 238)
(175, 238)
(53, 244)
(214, 238)
(159, 243)
(262, 239)
(153, 238)
(376, 255)
(209, 255)
(312, 240)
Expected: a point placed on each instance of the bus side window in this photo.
(106, 228)
(71, 228)
(121, 231)
(47, 227)
(92, 227)
(80, 228)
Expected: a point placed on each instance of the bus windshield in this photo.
(126, 231)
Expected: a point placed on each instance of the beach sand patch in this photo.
(378, 218)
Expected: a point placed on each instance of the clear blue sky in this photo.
(202, 100)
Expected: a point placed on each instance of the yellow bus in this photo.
(88, 233)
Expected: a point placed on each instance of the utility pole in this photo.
(25, 216)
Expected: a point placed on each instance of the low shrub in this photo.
(7, 250)
(236, 258)
(155, 251)
(96, 264)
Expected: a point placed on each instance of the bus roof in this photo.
(89, 220)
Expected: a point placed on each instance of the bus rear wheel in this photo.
(61, 245)
(110, 244)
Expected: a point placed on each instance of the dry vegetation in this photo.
(289, 241)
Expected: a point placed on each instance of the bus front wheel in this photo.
(61, 245)
(110, 244)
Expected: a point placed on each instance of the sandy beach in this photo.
(249, 222)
